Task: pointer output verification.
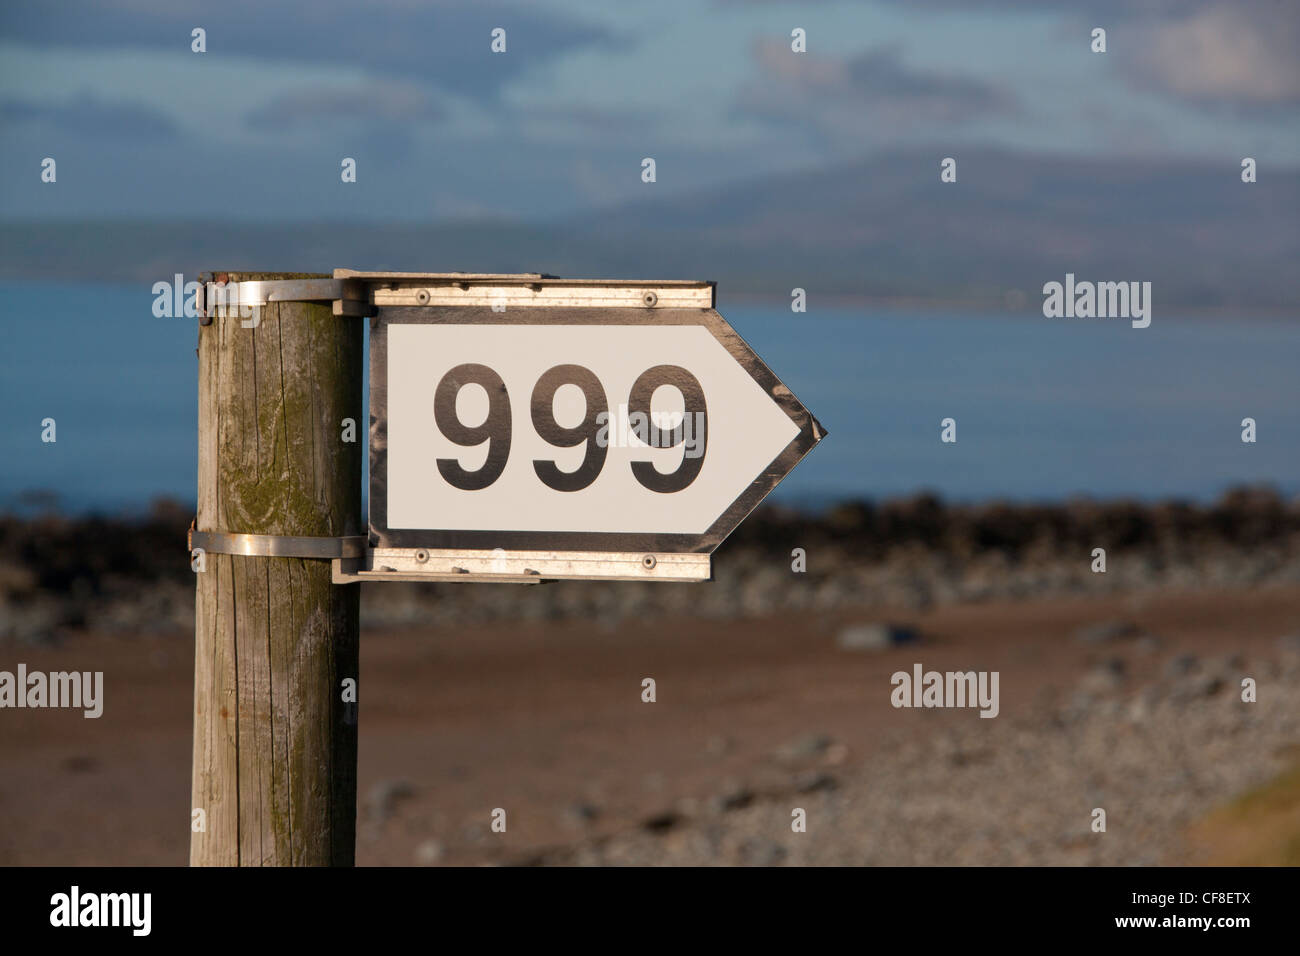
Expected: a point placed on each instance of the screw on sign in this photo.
(587, 430)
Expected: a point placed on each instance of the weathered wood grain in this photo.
(275, 750)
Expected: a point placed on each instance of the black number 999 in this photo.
(496, 427)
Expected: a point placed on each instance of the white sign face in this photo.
(541, 428)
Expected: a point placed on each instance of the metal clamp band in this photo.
(238, 299)
(277, 545)
(232, 295)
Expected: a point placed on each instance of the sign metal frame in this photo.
(533, 556)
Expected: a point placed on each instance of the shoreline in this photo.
(60, 576)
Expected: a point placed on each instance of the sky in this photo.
(444, 129)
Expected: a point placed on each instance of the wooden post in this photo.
(275, 747)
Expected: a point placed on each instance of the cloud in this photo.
(875, 89)
(443, 42)
(1240, 54)
(571, 123)
(1097, 8)
(389, 103)
(87, 115)
(1206, 52)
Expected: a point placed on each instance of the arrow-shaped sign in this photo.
(549, 416)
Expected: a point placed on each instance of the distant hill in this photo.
(883, 227)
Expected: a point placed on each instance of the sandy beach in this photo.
(1141, 715)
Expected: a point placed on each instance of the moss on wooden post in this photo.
(275, 747)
